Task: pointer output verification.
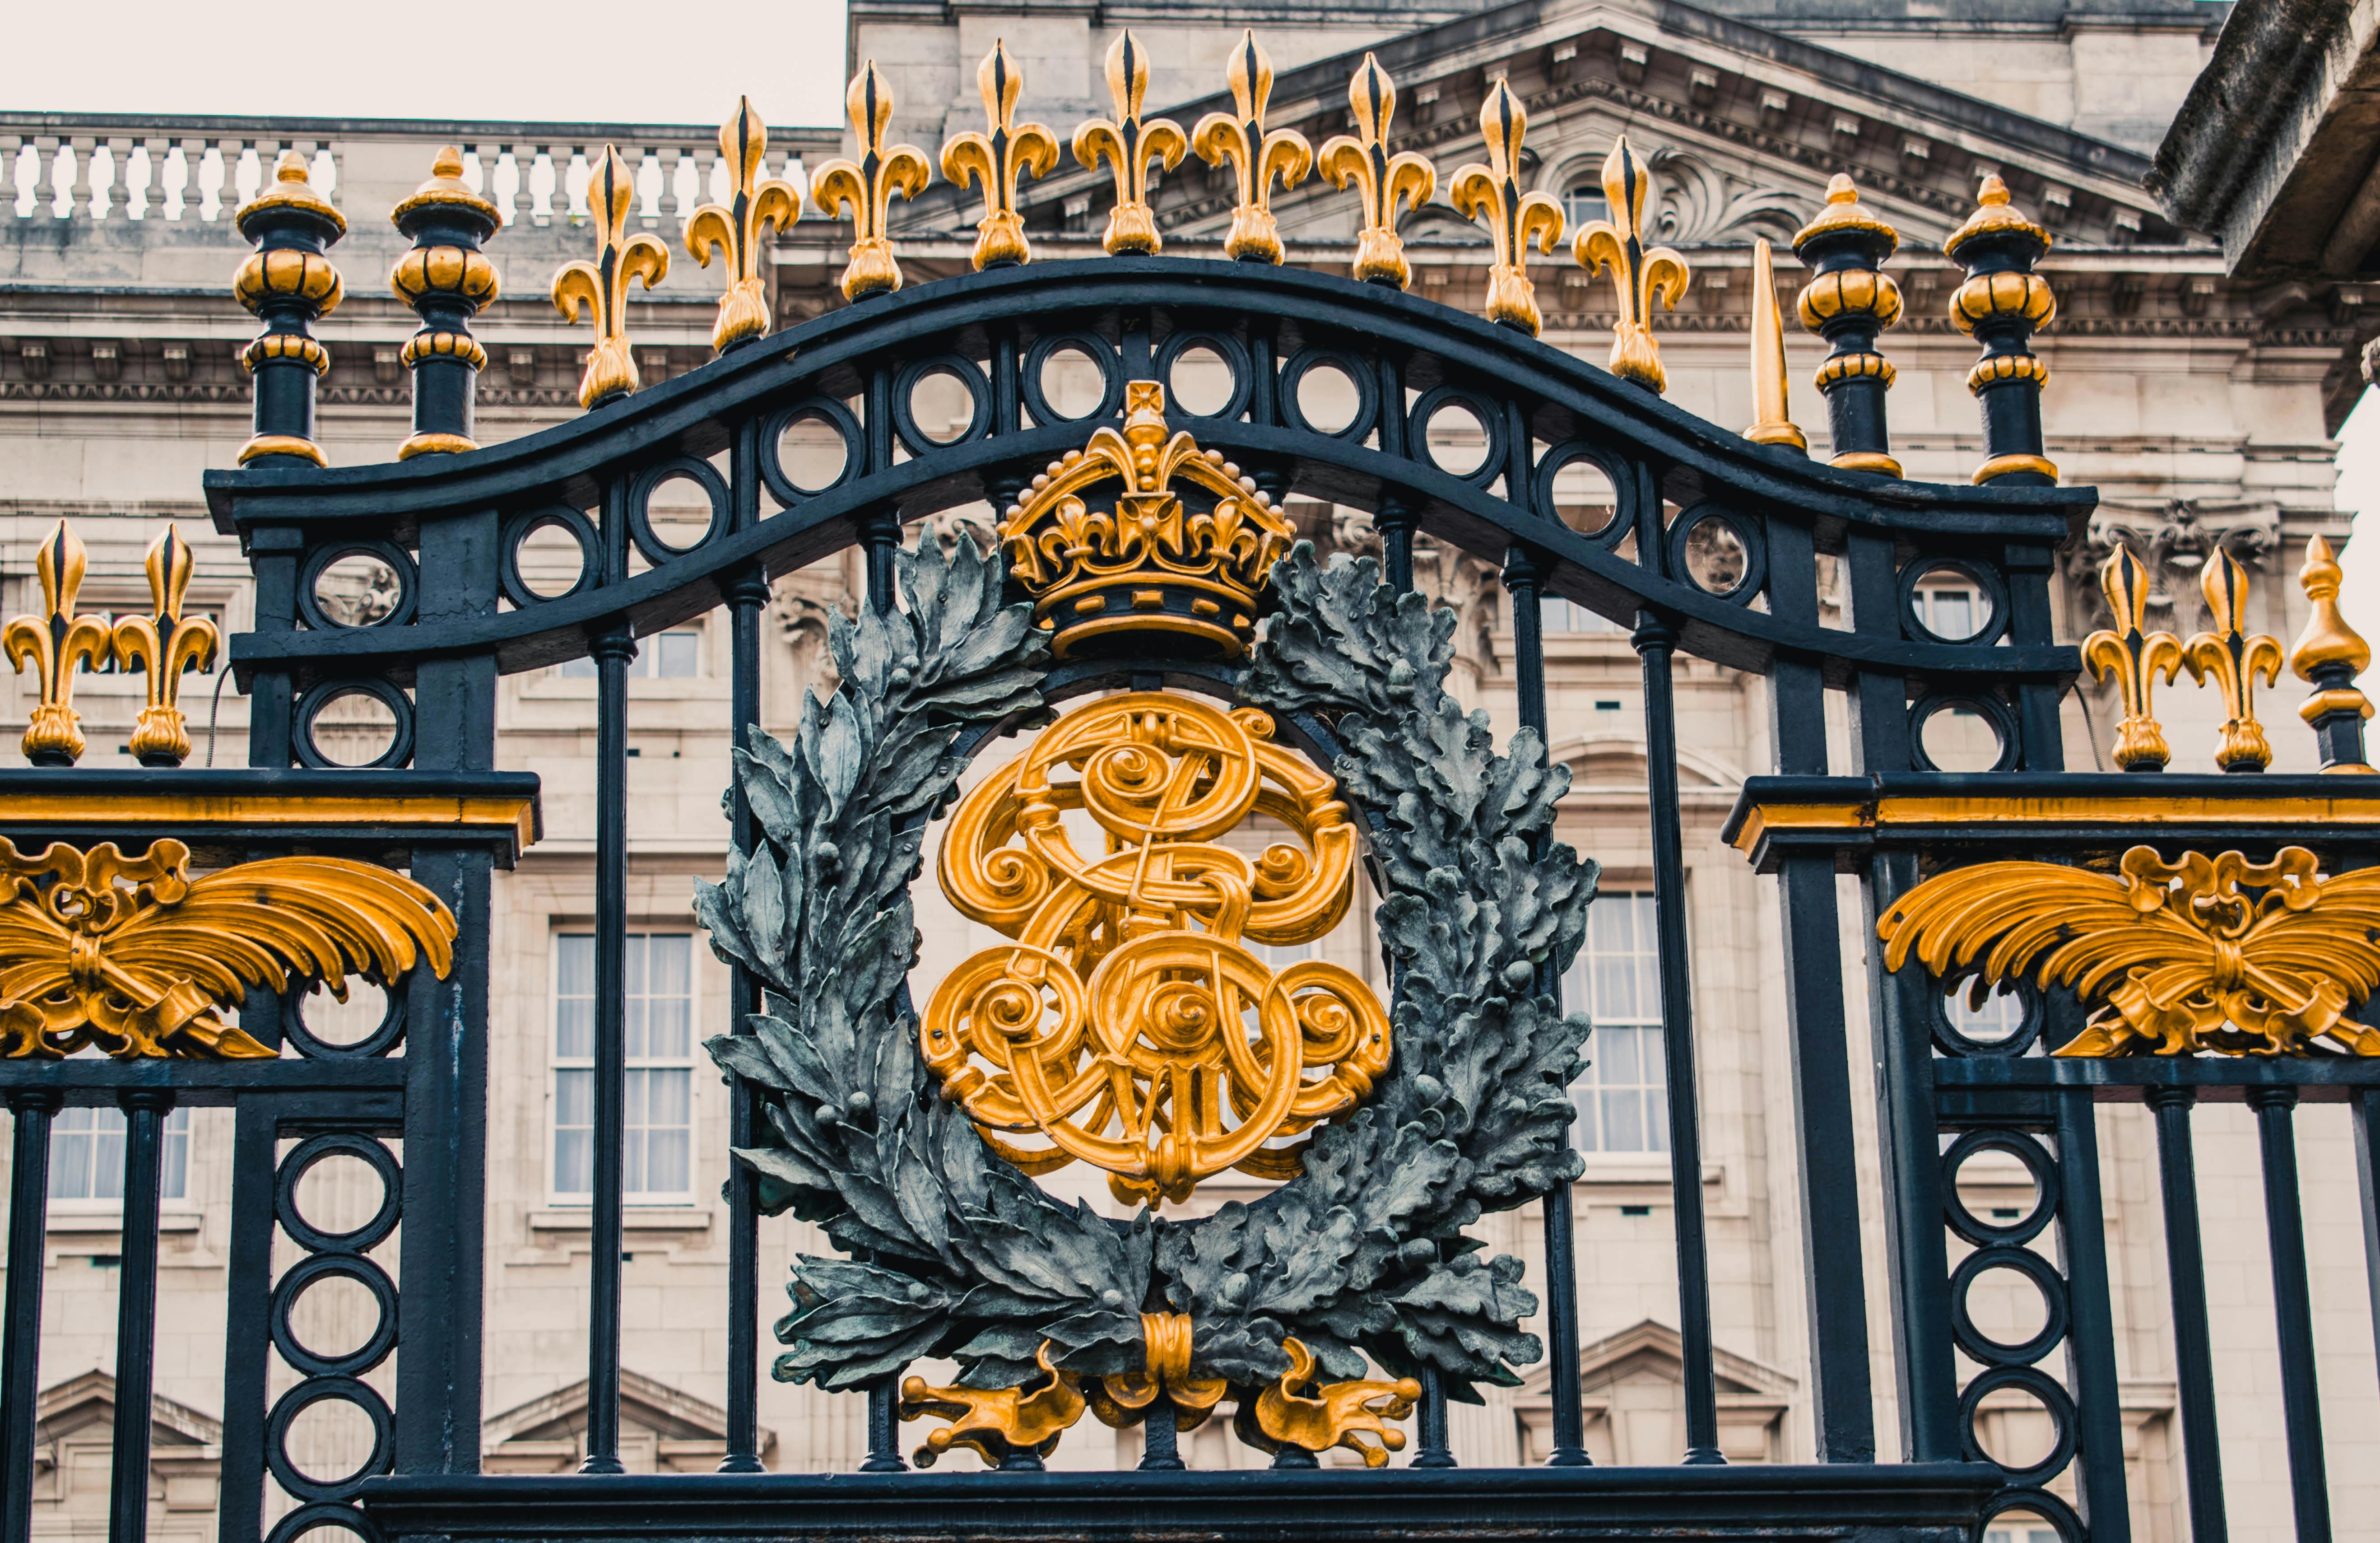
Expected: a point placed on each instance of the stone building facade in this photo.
(2202, 407)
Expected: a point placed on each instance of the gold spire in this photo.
(996, 158)
(2234, 657)
(1257, 157)
(620, 255)
(2134, 657)
(1514, 218)
(1638, 273)
(1127, 144)
(162, 646)
(53, 644)
(865, 186)
(736, 229)
(1773, 421)
(1380, 179)
(2330, 654)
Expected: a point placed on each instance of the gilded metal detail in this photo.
(865, 186)
(427, 345)
(1381, 180)
(2203, 954)
(1257, 156)
(1127, 1400)
(1514, 218)
(996, 158)
(447, 189)
(2233, 657)
(285, 272)
(737, 230)
(621, 255)
(1129, 1024)
(292, 188)
(1128, 143)
(135, 956)
(1994, 216)
(2329, 654)
(53, 644)
(999, 1421)
(1772, 420)
(1638, 273)
(1092, 573)
(1294, 1412)
(288, 284)
(2134, 657)
(164, 645)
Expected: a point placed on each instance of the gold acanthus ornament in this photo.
(162, 645)
(621, 256)
(1128, 143)
(864, 188)
(1381, 181)
(1638, 273)
(1256, 155)
(738, 230)
(1514, 218)
(53, 645)
(2233, 657)
(2134, 657)
(1130, 1024)
(2207, 954)
(996, 158)
(135, 956)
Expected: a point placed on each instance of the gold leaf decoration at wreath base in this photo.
(2207, 954)
(137, 958)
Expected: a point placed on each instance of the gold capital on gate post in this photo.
(1362, 161)
(1257, 156)
(603, 285)
(1514, 218)
(865, 186)
(1127, 144)
(737, 229)
(996, 158)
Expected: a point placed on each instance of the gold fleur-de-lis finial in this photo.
(164, 645)
(997, 157)
(1772, 417)
(620, 255)
(1128, 144)
(1380, 181)
(52, 644)
(2329, 654)
(1257, 156)
(1514, 218)
(2234, 657)
(1638, 272)
(736, 229)
(2135, 657)
(865, 186)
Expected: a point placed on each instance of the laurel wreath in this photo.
(953, 1252)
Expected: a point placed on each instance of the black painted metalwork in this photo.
(29, 1109)
(2292, 1309)
(2193, 1345)
(136, 1312)
(612, 651)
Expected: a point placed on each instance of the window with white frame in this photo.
(87, 1155)
(1556, 615)
(657, 1148)
(673, 655)
(1953, 613)
(1623, 1100)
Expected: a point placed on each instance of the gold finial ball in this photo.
(1994, 190)
(448, 162)
(1842, 189)
(290, 167)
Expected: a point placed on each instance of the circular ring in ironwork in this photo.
(573, 522)
(2045, 1190)
(1981, 1346)
(703, 474)
(1747, 537)
(1492, 423)
(1091, 345)
(817, 410)
(1318, 357)
(304, 1486)
(294, 1283)
(1234, 356)
(327, 1514)
(1990, 709)
(1988, 582)
(959, 368)
(2052, 1398)
(388, 555)
(313, 1150)
(2042, 1503)
(1560, 458)
(380, 1041)
(322, 694)
(1953, 1041)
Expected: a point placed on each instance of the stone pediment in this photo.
(661, 1430)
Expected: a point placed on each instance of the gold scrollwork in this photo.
(1514, 218)
(2135, 658)
(53, 644)
(621, 255)
(1128, 1400)
(1381, 181)
(1293, 1411)
(164, 645)
(1128, 143)
(1129, 1024)
(2234, 657)
(1638, 273)
(865, 186)
(997, 1421)
(996, 158)
(2207, 954)
(738, 230)
(137, 958)
(1256, 155)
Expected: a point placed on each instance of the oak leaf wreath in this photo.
(955, 1253)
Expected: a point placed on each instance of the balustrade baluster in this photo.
(47, 195)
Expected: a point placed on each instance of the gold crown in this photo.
(1151, 564)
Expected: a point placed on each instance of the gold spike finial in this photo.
(1257, 156)
(865, 186)
(2234, 657)
(1128, 143)
(736, 229)
(1514, 218)
(620, 256)
(53, 644)
(1362, 161)
(1638, 272)
(1773, 421)
(2330, 654)
(997, 158)
(2134, 657)
(162, 645)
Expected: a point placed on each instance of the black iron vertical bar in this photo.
(1655, 640)
(613, 650)
(273, 553)
(747, 594)
(136, 1311)
(2185, 1259)
(20, 1355)
(248, 1333)
(2292, 1311)
(2091, 1322)
(2367, 1177)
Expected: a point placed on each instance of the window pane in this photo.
(1623, 1124)
(678, 655)
(573, 1098)
(177, 1176)
(574, 1165)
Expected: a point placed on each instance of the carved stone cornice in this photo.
(2173, 539)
